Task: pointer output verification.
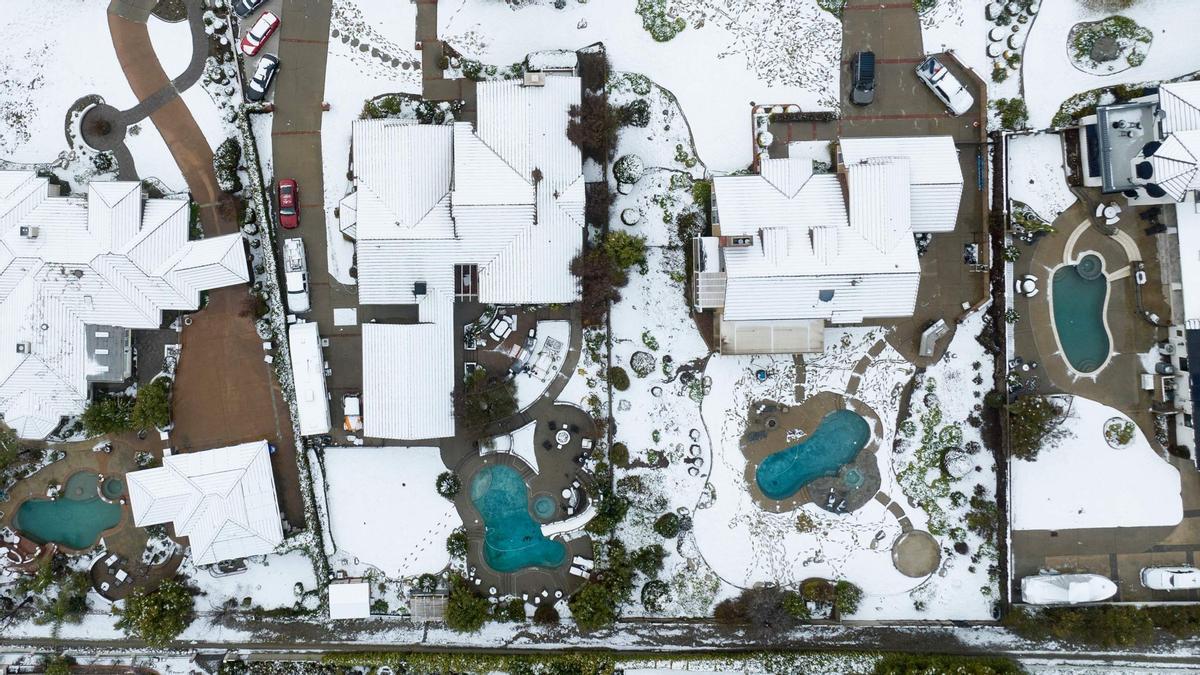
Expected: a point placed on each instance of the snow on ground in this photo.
(1082, 482)
(1037, 174)
(54, 53)
(545, 361)
(152, 157)
(270, 581)
(351, 77)
(261, 126)
(213, 111)
(1054, 78)
(764, 52)
(172, 44)
(384, 510)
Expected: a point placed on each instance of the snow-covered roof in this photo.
(1187, 216)
(308, 376)
(112, 258)
(408, 379)
(936, 178)
(506, 197)
(222, 500)
(812, 255)
(1176, 164)
(1180, 104)
(349, 600)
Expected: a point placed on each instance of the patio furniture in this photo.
(267, 346)
(562, 438)
(537, 599)
(1144, 170)
(478, 581)
(576, 484)
(104, 586)
(108, 562)
(565, 426)
(545, 593)
(525, 597)
(546, 445)
(587, 444)
(122, 576)
(491, 590)
(566, 493)
(502, 326)
(558, 594)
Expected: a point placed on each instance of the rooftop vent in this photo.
(24, 348)
(29, 231)
(535, 79)
(419, 288)
(742, 241)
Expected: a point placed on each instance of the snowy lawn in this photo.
(152, 157)
(352, 76)
(1053, 77)
(44, 70)
(1037, 175)
(270, 581)
(764, 51)
(384, 510)
(172, 44)
(1082, 482)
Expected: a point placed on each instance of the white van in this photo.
(945, 86)
(295, 275)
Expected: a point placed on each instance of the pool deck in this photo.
(1120, 552)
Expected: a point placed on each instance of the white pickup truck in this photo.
(295, 275)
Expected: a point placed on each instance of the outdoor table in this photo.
(562, 437)
(566, 493)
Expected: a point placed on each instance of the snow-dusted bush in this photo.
(225, 165)
(628, 169)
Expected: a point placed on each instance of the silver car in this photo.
(1171, 578)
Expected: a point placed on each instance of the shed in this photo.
(349, 600)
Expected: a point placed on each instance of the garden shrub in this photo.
(456, 543)
(795, 605)
(158, 616)
(106, 414)
(653, 594)
(465, 611)
(592, 126)
(628, 169)
(846, 597)
(618, 455)
(907, 664)
(480, 402)
(1014, 116)
(625, 250)
(657, 21)
(1103, 626)
(1032, 422)
(426, 583)
(152, 407)
(667, 525)
(649, 559)
(448, 484)
(512, 611)
(593, 607)
(618, 378)
(225, 165)
(600, 280)
(636, 113)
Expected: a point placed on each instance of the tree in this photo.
(152, 407)
(592, 607)
(1032, 421)
(465, 611)
(107, 415)
(545, 615)
(481, 401)
(618, 378)
(765, 610)
(158, 616)
(649, 559)
(846, 597)
(225, 165)
(601, 282)
(70, 603)
(512, 611)
(448, 484)
(625, 250)
(456, 543)
(10, 447)
(654, 593)
(426, 583)
(592, 126)
(795, 605)
(667, 525)
(59, 664)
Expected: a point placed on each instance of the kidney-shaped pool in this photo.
(837, 440)
(512, 539)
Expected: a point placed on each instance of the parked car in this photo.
(244, 8)
(945, 86)
(862, 76)
(257, 36)
(295, 276)
(289, 204)
(1171, 578)
(1066, 589)
(268, 65)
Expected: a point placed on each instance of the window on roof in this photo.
(825, 295)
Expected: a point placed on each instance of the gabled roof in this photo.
(1180, 104)
(222, 500)
(112, 258)
(1175, 164)
(935, 175)
(408, 380)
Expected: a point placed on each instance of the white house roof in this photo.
(111, 258)
(936, 178)
(222, 500)
(308, 376)
(1180, 104)
(1177, 164)
(349, 600)
(812, 256)
(408, 379)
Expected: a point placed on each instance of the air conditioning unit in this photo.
(24, 347)
(419, 288)
(742, 241)
(535, 79)
(29, 231)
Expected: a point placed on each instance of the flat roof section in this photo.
(308, 377)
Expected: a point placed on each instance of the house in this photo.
(77, 274)
(490, 213)
(1153, 158)
(222, 500)
(793, 250)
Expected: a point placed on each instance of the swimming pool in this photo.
(1079, 293)
(836, 441)
(512, 540)
(74, 520)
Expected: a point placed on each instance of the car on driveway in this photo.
(862, 77)
(289, 204)
(264, 74)
(1171, 578)
(258, 34)
(945, 86)
(1066, 589)
(245, 8)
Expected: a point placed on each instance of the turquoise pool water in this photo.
(113, 488)
(543, 508)
(512, 539)
(74, 520)
(1079, 294)
(836, 441)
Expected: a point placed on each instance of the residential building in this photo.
(78, 273)
(222, 500)
(490, 213)
(793, 250)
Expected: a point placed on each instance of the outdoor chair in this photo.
(1155, 191)
(1145, 170)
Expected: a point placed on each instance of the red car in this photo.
(257, 36)
(289, 204)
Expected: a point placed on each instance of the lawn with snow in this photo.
(352, 76)
(44, 71)
(172, 42)
(1037, 174)
(151, 156)
(384, 510)
(270, 581)
(1082, 482)
(764, 52)
(1053, 77)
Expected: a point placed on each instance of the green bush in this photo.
(1014, 116)
(448, 484)
(225, 165)
(618, 454)
(658, 21)
(636, 113)
(625, 250)
(593, 607)
(482, 402)
(465, 611)
(909, 664)
(654, 593)
(667, 525)
(1103, 626)
(456, 543)
(107, 415)
(58, 665)
(649, 559)
(610, 511)
(512, 611)
(158, 616)
(152, 407)
(545, 615)
(618, 378)
(1032, 420)
(795, 605)
(846, 597)
(426, 583)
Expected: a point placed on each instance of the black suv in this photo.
(862, 73)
